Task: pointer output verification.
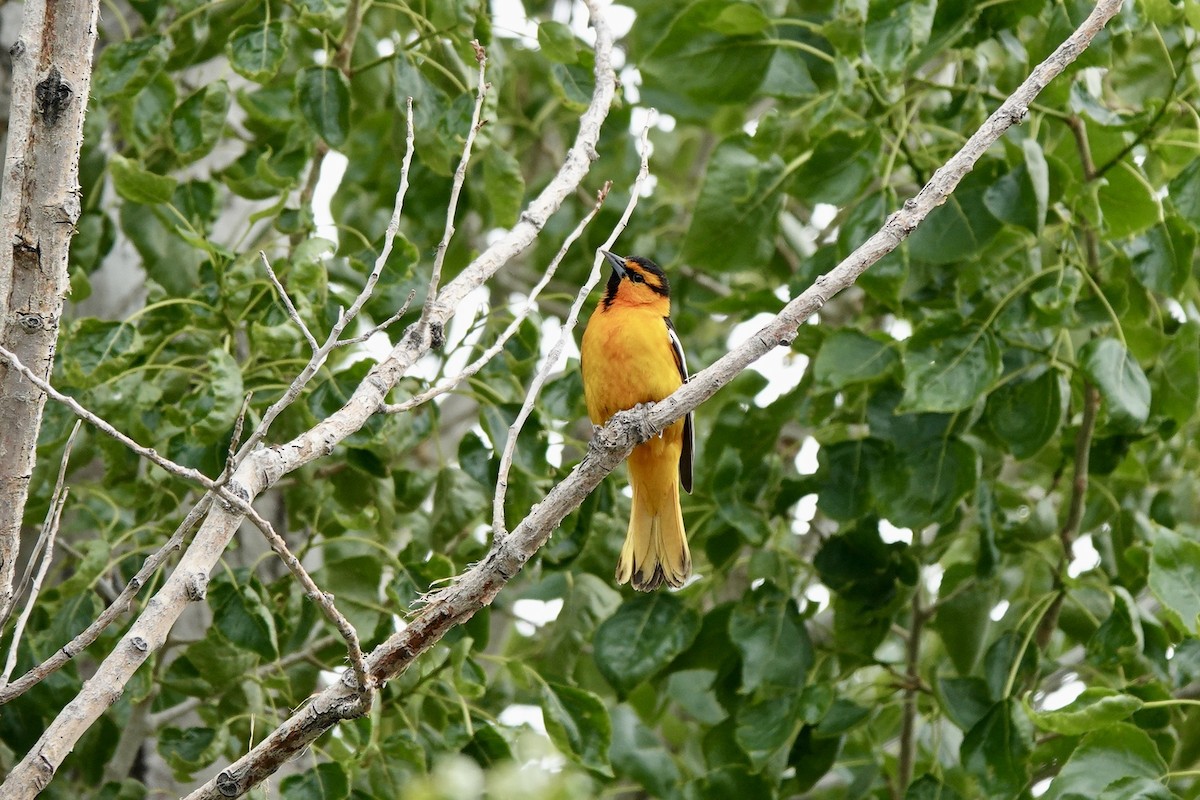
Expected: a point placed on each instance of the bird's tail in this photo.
(656, 548)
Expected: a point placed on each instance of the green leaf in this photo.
(848, 357)
(256, 52)
(138, 185)
(504, 185)
(1095, 708)
(242, 617)
(686, 50)
(197, 123)
(1185, 192)
(965, 700)
(996, 750)
(216, 407)
(767, 630)
(190, 749)
(840, 166)
(638, 753)
(927, 787)
(1116, 752)
(1026, 414)
(963, 226)
(962, 619)
(328, 781)
(1122, 384)
(125, 68)
(1127, 201)
(768, 726)
(947, 368)
(734, 218)
(1162, 258)
(578, 724)
(323, 95)
(892, 39)
(740, 19)
(557, 42)
(96, 350)
(642, 637)
(846, 470)
(1177, 377)
(1175, 577)
(924, 485)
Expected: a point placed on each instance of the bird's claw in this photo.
(645, 430)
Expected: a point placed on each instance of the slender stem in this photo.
(46, 543)
(460, 177)
(908, 722)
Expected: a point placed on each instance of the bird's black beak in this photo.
(618, 262)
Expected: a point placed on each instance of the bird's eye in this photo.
(636, 277)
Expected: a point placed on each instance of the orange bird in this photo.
(630, 355)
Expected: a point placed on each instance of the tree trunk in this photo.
(39, 206)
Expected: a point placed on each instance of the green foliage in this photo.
(923, 580)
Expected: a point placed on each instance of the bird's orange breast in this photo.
(627, 359)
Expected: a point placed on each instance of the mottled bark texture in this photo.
(39, 206)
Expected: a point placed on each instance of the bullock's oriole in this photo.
(630, 355)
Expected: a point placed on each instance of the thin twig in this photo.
(446, 384)
(322, 352)
(110, 614)
(1087, 423)
(287, 302)
(58, 499)
(321, 598)
(908, 720)
(383, 326)
(148, 453)
(47, 532)
(568, 328)
(460, 177)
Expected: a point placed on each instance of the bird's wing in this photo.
(689, 429)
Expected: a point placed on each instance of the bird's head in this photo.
(636, 281)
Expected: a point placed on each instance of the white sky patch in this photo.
(1041, 786)
(806, 459)
(802, 518)
(932, 575)
(554, 450)
(385, 47)
(538, 612)
(818, 593)
(898, 329)
(891, 534)
(332, 170)
(822, 215)
(998, 611)
(510, 21)
(1084, 556)
(519, 714)
(782, 368)
(1064, 695)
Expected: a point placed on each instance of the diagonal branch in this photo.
(480, 584)
(460, 177)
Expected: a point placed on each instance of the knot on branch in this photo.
(139, 644)
(17, 50)
(227, 784)
(196, 587)
(32, 323)
(53, 96)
